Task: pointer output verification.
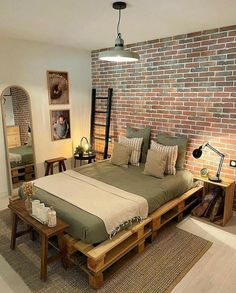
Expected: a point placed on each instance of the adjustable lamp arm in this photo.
(198, 152)
(213, 149)
(221, 157)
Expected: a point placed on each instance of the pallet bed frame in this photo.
(128, 242)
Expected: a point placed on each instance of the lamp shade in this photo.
(197, 153)
(118, 55)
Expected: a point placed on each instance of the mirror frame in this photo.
(13, 196)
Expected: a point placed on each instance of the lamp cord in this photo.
(118, 24)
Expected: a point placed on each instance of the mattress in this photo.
(25, 153)
(157, 192)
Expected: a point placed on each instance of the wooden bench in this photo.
(49, 165)
(19, 212)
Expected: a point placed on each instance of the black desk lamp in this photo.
(198, 152)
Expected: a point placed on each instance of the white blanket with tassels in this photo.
(113, 205)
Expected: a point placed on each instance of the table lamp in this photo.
(86, 145)
(197, 154)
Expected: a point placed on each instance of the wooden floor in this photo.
(216, 270)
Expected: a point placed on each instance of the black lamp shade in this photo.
(197, 153)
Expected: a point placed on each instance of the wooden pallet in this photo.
(133, 239)
(174, 208)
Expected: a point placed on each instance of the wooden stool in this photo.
(49, 165)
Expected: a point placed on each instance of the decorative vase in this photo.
(28, 204)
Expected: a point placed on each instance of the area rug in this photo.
(158, 269)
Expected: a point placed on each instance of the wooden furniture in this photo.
(22, 174)
(130, 241)
(49, 165)
(84, 157)
(100, 122)
(13, 136)
(19, 212)
(228, 187)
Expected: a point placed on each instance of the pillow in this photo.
(181, 142)
(120, 155)
(171, 152)
(155, 164)
(145, 134)
(136, 145)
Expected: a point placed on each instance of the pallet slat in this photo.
(131, 239)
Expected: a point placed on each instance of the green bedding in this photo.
(90, 228)
(26, 153)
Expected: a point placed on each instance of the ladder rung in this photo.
(98, 124)
(99, 152)
(103, 112)
(101, 98)
(102, 153)
(99, 138)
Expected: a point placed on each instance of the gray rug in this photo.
(162, 265)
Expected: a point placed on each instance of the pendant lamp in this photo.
(118, 54)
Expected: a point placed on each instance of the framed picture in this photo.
(58, 87)
(60, 124)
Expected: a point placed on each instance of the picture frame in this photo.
(58, 87)
(60, 124)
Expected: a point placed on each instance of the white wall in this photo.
(25, 64)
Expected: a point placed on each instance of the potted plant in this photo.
(79, 151)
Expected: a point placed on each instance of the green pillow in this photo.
(181, 142)
(138, 133)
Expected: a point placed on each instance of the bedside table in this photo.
(228, 187)
(86, 157)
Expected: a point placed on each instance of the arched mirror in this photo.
(17, 123)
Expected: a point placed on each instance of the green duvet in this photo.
(26, 153)
(90, 228)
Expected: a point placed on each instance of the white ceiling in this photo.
(91, 24)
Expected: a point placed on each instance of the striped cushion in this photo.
(136, 146)
(172, 154)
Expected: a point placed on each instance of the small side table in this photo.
(19, 212)
(86, 157)
(228, 186)
(49, 165)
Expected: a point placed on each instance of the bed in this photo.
(90, 228)
(21, 155)
(166, 199)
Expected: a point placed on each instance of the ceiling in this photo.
(91, 24)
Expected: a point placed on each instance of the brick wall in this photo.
(21, 109)
(183, 85)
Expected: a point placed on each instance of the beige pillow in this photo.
(120, 154)
(136, 146)
(155, 164)
(172, 154)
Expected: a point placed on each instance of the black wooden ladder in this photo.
(105, 117)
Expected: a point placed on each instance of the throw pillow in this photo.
(155, 164)
(120, 154)
(171, 152)
(136, 145)
(145, 134)
(181, 142)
